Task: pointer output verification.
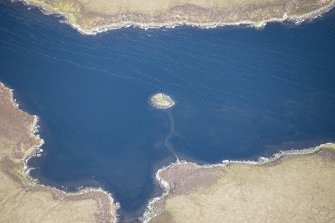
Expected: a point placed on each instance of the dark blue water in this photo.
(239, 93)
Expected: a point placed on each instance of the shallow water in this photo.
(239, 93)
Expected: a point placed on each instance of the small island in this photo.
(162, 101)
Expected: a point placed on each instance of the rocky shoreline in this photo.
(92, 21)
(172, 178)
(19, 143)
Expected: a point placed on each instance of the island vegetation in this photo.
(92, 16)
(162, 101)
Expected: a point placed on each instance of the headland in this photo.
(23, 200)
(293, 186)
(94, 16)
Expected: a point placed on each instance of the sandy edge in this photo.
(151, 211)
(296, 19)
(34, 150)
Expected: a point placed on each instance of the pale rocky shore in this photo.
(293, 186)
(94, 16)
(23, 200)
(161, 101)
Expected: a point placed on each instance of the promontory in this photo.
(295, 186)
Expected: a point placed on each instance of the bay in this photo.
(240, 93)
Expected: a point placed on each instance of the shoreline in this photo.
(152, 211)
(96, 194)
(295, 19)
(34, 150)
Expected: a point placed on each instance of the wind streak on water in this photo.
(167, 143)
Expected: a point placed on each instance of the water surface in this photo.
(240, 93)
